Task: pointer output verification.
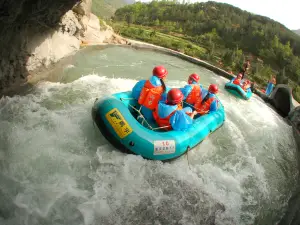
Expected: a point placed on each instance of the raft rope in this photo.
(141, 115)
(144, 120)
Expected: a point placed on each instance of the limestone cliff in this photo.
(36, 33)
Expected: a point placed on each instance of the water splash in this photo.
(64, 172)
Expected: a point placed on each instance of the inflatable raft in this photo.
(238, 91)
(116, 118)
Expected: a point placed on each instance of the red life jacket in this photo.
(203, 108)
(237, 81)
(165, 122)
(150, 95)
(194, 94)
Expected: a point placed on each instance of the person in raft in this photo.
(192, 90)
(207, 102)
(246, 85)
(238, 79)
(148, 92)
(170, 115)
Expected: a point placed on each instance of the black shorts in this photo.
(242, 71)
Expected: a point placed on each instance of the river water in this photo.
(56, 167)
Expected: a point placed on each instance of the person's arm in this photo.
(193, 114)
(181, 121)
(214, 106)
(136, 90)
(186, 90)
(164, 97)
(190, 112)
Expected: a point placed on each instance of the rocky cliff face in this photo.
(37, 33)
(294, 117)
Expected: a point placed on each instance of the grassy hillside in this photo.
(107, 8)
(220, 33)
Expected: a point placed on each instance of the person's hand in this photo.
(194, 113)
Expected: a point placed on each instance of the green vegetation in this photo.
(107, 8)
(103, 25)
(219, 33)
(157, 38)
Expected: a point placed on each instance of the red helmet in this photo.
(160, 72)
(194, 77)
(175, 96)
(213, 88)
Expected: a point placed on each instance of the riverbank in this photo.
(44, 72)
(197, 61)
(114, 39)
(142, 45)
(55, 52)
(52, 31)
(181, 55)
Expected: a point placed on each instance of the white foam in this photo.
(69, 66)
(53, 151)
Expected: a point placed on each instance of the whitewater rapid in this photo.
(56, 167)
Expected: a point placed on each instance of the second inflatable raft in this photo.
(238, 91)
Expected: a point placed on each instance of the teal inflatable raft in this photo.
(238, 91)
(116, 118)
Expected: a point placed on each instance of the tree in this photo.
(129, 19)
(225, 31)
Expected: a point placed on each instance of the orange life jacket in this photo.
(246, 86)
(193, 95)
(202, 108)
(237, 81)
(165, 122)
(150, 95)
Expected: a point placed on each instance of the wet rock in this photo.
(70, 24)
(35, 35)
(93, 34)
(294, 117)
(84, 8)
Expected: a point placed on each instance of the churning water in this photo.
(56, 167)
